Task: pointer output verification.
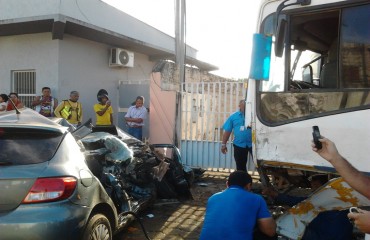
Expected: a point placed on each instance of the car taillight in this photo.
(51, 189)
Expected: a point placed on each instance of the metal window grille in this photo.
(24, 83)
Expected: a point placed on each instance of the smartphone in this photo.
(316, 136)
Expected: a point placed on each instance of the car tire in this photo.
(98, 228)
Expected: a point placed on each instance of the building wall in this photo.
(95, 13)
(70, 64)
(29, 52)
(84, 67)
(79, 64)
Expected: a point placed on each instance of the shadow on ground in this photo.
(173, 219)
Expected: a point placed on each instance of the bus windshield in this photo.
(325, 67)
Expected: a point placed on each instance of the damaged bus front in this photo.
(310, 67)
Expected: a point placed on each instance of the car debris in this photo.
(100, 178)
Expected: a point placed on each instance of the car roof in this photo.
(28, 118)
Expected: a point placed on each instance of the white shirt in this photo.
(3, 104)
(134, 112)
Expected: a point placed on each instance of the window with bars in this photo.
(24, 83)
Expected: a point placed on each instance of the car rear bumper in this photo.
(44, 221)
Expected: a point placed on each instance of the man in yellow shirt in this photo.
(70, 109)
(104, 111)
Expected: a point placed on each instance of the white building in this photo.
(66, 45)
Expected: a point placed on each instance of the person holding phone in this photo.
(356, 179)
(103, 110)
(45, 104)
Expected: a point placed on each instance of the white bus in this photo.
(310, 67)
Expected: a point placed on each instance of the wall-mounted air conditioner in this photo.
(121, 58)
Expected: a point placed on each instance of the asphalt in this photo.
(173, 219)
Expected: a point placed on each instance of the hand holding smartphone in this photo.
(316, 136)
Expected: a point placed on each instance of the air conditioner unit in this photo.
(121, 58)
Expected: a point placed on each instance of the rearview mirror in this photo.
(280, 37)
(261, 57)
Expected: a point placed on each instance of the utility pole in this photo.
(180, 63)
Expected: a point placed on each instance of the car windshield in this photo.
(20, 146)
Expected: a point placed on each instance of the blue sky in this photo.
(221, 30)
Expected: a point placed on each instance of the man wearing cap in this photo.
(104, 111)
(135, 118)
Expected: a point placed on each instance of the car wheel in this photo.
(98, 228)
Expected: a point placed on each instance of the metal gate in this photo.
(205, 107)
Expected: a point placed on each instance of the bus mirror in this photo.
(280, 37)
(261, 56)
(282, 24)
(307, 74)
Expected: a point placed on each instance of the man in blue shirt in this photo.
(242, 137)
(234, 213)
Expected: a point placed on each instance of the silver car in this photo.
(47, 190)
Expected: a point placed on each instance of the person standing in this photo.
(3, 102)
(70, 109)
(135, 117)
(235, 212)
(103, 110)
(242, 137)
(45, 104)
(14, 99)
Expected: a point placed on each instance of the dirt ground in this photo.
(171, 219)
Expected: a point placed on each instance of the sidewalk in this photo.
(172, 219)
